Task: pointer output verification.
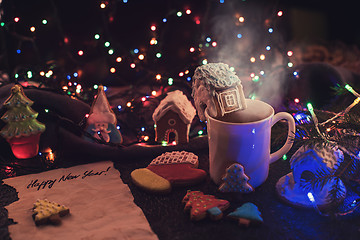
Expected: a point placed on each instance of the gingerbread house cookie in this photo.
(218, 90)
(173, 118)
(306, 164)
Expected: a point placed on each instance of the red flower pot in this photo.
(25, 146)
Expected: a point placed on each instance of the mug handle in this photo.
(290, 136)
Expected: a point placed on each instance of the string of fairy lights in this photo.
(202, 50)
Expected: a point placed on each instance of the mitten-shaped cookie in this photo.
(167, 170)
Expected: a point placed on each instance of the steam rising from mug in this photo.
(252, 41)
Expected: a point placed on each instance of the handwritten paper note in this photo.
(101, 205)
(38, 184)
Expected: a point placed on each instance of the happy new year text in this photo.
(41, 184)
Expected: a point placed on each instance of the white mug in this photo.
(247, 142)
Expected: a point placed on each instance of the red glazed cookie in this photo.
(201, 205)
(178, 168)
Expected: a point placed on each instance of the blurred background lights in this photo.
(153, 41)
(170, 81)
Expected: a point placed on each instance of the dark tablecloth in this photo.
(169, 221)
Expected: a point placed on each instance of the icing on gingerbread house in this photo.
(218, 89)
(173, 118)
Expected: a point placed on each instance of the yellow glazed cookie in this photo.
(45, 212)
(148, 180)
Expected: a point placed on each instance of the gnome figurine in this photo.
(101, 122)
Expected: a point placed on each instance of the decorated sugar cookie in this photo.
(45, 212)
(247, 214)
(173, 118)
(101, 122)
(22, 129)
(168, 170)
(201, 205)
(235, 180)
(218, 90)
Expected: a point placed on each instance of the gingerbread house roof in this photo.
(177, 102)
(216, 75)
(318, 157)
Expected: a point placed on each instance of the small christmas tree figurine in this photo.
(235, 180)
(22, 130)
(101, 123)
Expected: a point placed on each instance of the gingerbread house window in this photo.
(229, 100)
(172, 122)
